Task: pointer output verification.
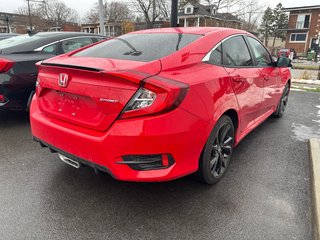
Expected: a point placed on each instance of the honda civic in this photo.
(159, 104)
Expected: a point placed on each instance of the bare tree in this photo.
(58, 12)
(117, 11)
(51, 12)
(113, 11)
(36, 21)
(151, 10)
(250, 11)
(224, 5)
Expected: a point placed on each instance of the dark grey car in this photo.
(19, 54)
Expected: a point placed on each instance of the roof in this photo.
(226, 17)
(301, 8)
(187, 30)
(62, 34)
(199, 9)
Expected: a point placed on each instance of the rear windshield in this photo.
(140, 47)
(15, 41)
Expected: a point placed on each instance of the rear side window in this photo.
(216, 56)
(75, 43)
(261, 54)
(140, 47)
(51, 48)
(236, 53)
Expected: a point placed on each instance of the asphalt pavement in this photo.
(264, 195)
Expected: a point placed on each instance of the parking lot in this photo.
(264, 195)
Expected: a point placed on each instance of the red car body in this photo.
(86, 120)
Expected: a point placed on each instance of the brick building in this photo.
(198, 15)
(15, 23)
(303, 28)
(19, 23)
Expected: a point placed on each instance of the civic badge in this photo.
(63, 80)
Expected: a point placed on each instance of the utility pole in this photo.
(317, 52)
(30, 20)
(153, 12)
(174, 13)
(29, 10)
(7, 20)
(101, 17)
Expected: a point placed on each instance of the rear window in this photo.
(15, 41)
(140, 47)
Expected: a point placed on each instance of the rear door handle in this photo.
(266, 78)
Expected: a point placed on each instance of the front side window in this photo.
(236, 53)
(261, 54)
(298, 37)
(144, 47)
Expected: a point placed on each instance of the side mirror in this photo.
(283, 62)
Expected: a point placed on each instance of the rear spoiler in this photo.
(71, 66)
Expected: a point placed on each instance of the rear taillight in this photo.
(2, 98)
(156, 95)
(5, 65)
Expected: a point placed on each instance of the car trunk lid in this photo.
(90, 92)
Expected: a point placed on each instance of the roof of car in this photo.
(51, 34)
(188, 30)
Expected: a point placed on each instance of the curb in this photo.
(314, 153)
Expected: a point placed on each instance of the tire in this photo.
(217, 152)
(283, 102)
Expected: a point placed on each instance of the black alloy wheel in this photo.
(217, 152)
(283, 102)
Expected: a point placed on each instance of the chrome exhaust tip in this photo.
(69, 161)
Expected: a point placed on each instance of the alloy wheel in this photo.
(221, 150)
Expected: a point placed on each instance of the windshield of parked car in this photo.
(18, 40)
(140, 47)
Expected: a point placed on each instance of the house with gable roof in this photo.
(199, 15)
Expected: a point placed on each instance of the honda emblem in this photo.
(63, 80)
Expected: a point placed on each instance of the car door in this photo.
(269, 75)
(247, 84)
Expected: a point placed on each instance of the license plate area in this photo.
(68, 104)
(73, 108)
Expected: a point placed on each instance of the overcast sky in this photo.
(82, 6)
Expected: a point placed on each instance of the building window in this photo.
(303, 21)
(214, 11)
(298, 37)
(188, 10)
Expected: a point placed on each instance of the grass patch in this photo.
(305, 67)
(307, 89)
(313, 90)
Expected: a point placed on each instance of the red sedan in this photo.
(158, 104)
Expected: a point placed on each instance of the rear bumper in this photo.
(177, 133)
